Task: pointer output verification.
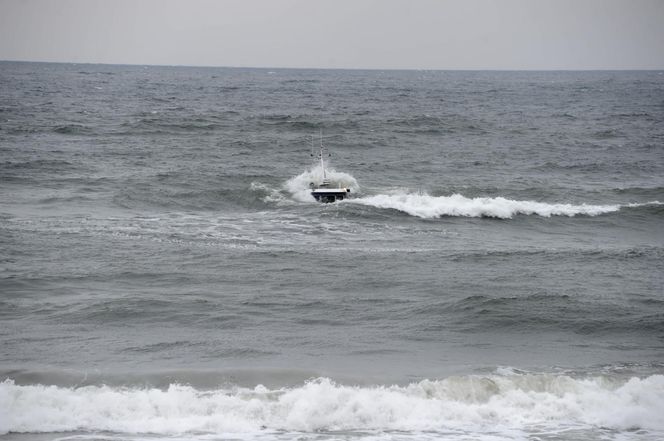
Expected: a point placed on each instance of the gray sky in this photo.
(380, 34)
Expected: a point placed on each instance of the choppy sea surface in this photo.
(498, 272)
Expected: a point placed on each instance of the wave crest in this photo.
(469, 403)
(426, 206)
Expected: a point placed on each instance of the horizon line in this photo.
(341, 68)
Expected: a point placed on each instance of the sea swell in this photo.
(158, 263)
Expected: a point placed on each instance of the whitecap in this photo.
(426, 206)
(470, 404)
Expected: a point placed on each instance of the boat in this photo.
(325, 192)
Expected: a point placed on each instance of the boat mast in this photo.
(322, 163)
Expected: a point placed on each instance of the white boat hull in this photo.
(330, 194)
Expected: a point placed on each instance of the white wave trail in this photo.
(299, 187)
(472, 404)
(425, 206)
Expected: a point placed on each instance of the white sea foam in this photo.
(426, 206)
(471, 404)
(299, 187)
(272, 194)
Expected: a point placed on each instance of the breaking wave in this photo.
(426, 206)
(500, 403)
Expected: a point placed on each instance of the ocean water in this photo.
(497, 274)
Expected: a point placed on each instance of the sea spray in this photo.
(299, 186)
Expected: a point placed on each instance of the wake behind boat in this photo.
(326, 192)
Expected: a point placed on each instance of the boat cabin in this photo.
(323, 193)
